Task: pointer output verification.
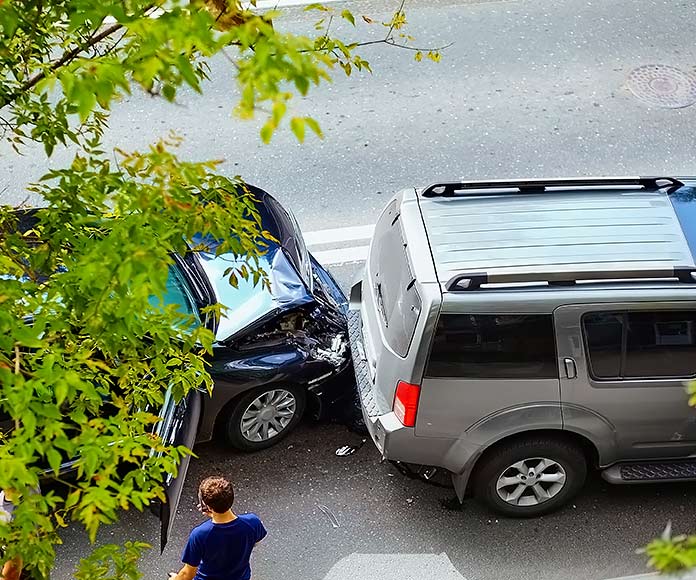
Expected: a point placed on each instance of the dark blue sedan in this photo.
(276, 348)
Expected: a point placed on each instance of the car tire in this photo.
(545, 487)
(274, 406)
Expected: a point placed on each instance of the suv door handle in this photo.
(571, 370)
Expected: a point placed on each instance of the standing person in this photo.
(220, 548)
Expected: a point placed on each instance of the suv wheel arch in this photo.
(463, 481)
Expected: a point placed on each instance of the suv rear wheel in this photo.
(264, 416)
(530, 477)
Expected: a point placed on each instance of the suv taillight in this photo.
(406, 403)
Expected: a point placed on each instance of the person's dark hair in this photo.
(217, 493)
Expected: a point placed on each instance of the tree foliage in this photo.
(87, 348)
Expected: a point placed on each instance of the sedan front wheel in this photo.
(264, 416)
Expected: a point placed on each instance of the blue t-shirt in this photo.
(222, 551)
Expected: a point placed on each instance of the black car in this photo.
(276, 351)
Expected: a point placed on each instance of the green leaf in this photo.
(28, 337)
(314, 126)
(72, 499)
(169, 92)
(347, 14)
(279, 109)
(316, 6)
(54, 460)
(302, 84)
(85, 100)
(297, 125)
(29, 422)
(186, 70)
(267, 132)
(61, 390)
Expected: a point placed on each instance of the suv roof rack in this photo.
(540, 185)
(474, 280)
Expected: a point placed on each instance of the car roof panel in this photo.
(555, 231)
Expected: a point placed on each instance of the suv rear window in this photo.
(489, 346)
(398, 302)
(634, 345)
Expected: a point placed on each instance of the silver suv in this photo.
(518, 333)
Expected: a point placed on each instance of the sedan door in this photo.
(178, 427)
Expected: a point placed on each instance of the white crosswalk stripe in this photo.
(339, 235)
(394, 567)
(267, 4)
(341, 255)
(323, 244)
(260, 5)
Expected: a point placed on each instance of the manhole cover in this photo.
(662, 85)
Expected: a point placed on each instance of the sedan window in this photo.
(178, 293)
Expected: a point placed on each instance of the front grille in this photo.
(362, 374)
(647, 471)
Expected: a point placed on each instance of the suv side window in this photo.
(635, 345)
(489, 346)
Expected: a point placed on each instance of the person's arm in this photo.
(12, 569)
(187, 572)
(191, 558)
(261, 532)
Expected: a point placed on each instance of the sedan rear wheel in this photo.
(264, 416)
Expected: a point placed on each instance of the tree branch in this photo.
(415, 48)
(393, 23)
(67, 58)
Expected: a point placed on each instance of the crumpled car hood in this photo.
(247, 304)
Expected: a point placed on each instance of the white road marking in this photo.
(338, 235)
(359, 236)
(394, 567)
(260, 5)
(266, 4)
(648, 576)
(341, 255)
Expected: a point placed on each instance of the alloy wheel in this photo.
(531, 481)
(268, 415)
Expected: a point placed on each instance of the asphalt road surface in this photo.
(389, 527)
(528, 89)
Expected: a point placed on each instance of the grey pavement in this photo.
(392, 521)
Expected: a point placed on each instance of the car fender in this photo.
(595, 428)
(582, 421)
(233, 376)
(495, 427)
